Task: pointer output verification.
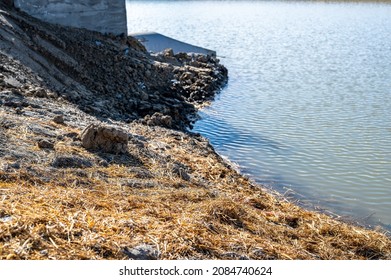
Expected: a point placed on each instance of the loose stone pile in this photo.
(109, 77)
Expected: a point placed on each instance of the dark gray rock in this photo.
(180, 171)
(45, 144)
(142, 252)
(59, 119)
(8, 167)
(41, 130)
(158, 119)
(38, 92)
(71, 162)
(7, 124)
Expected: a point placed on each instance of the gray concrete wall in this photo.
(106, 16)
(155, 42)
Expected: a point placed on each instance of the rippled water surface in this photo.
(308, 103)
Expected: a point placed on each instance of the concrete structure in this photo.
(155, 42)
(106, 16)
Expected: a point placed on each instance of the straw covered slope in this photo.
(134, 184)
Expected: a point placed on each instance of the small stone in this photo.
(180, 171)
(42, 130)
(52, 94)
(158, 119)
(44, 252)
(7, 167)
(168, 52)
(59, 119)
(72, 135)
(71, 162)
(15, 165)
(12, 82)
(187, 76)
(37, 92)
(142, 252)
(44, 144)
(5, 219)
(41, 93)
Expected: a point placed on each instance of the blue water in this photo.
(307, 110)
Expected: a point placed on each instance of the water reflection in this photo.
(308, 105)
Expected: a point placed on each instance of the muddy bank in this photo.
(96, 163)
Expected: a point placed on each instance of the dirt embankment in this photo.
(95, 161)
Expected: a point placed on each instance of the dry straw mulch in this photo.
(211, 212)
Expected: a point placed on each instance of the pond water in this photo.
(307, 109)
